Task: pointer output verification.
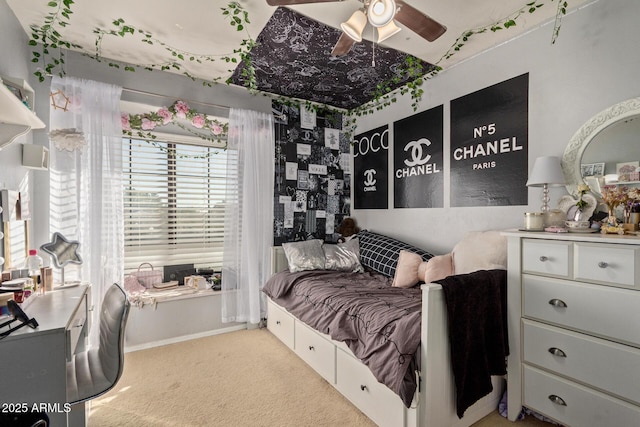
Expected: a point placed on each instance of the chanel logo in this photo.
(369, 179)
(307, 135)
(417, 153)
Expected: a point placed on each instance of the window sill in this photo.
(155, 296)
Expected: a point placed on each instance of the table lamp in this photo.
(546, 172)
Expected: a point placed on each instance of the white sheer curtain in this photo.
(86, 181)
(248, 215)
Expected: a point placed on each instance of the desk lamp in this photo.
(546, 172)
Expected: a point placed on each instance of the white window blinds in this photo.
(174, 201)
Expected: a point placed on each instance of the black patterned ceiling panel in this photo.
(293, 59)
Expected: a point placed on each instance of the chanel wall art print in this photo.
(489, 145)
(418, 160)
(370, 169)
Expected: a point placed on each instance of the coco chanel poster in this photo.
(418, 160)
(370, 168)
(489, 145)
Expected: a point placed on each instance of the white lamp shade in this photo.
(355, 25)
(381, 12)
(387, 31)
(546, 171)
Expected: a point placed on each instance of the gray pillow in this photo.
(305, 255)
(343, 256)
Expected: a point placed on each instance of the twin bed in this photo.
(386, 348)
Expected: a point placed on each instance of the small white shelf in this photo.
(16, 118)
(35, 156)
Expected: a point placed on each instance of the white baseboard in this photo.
(174, 340)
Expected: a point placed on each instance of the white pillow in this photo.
(305, 255)
(343, 256)
(437, 268)
(409, 264)
(480, 250)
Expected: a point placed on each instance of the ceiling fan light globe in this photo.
(381, 12)
(355, 25)
(387, 31)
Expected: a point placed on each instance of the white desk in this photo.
(34, 360)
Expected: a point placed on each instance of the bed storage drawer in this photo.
(316, 350)
(546, 258)
(280, 323)
(603, 311)
(574, 405)
(356, 382)
(583, 358)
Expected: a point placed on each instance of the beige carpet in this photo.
(244, 378)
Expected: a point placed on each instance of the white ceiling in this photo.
(198, 26)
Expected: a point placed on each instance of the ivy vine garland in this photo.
(51, 55)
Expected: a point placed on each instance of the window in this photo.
(174, 202)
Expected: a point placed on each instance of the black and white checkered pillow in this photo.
(380, 253)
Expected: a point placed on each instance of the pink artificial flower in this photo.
(166, 115)
(198, 121)
(216, 129)
(148, 124)
(181, 108)
(124, 119)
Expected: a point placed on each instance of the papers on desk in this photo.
(12, 285)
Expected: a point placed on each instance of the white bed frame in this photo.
(434, 403)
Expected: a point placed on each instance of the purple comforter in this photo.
(379, 323)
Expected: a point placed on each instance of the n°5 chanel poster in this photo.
(489, 145)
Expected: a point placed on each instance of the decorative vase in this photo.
(611, 219)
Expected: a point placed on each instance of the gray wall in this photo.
(593, 64)
(14, 63)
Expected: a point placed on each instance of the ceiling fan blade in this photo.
(294, 2)
(343, 46)
(418, 22)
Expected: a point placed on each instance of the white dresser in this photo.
(574, 327)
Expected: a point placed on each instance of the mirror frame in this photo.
(583, 137)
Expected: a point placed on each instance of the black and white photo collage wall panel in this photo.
(488, 153)
(312, 191)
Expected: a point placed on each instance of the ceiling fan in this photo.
(381, 14)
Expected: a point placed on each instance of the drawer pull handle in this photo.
(311, 348)
(557, 400)
(603, 264)
(557, 352)
(277, 322)
(544, 258)
(558, 303)
(363, 387)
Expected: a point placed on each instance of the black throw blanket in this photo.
(477, 317)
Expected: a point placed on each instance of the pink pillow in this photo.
(437, 268)
(407, 270)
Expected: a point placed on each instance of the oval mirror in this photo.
(609, 141)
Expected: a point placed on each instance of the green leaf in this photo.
(52, 4)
